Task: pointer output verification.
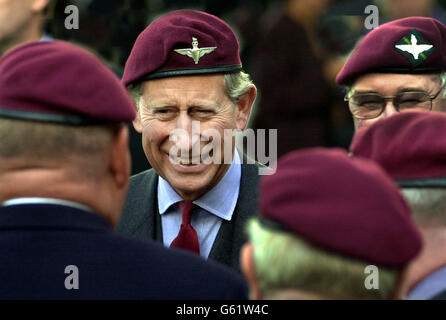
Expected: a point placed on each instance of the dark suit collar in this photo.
(49, 216)
(235, 230)
(141, 208)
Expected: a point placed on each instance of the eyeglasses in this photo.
(372, 105)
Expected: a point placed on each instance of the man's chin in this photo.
(190, 190)
(189, 179)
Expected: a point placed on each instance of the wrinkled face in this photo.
(14, 16)
(176, 105)
(390, 85)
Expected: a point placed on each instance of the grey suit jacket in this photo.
(141, 217)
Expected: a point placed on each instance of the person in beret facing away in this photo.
(184, 73)
(411, 147)
(399, 66)
(64, 171)
(313, 239)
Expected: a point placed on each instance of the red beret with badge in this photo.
(54, 81)
(183, 42)
(349, 206)
(409, 45)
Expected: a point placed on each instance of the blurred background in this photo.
(293, 50)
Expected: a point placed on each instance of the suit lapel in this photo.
(232, 234)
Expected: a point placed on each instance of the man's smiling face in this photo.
(171, 104)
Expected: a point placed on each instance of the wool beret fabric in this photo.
(409, 146)
(183, 42)
(54, 81)
(349, 206)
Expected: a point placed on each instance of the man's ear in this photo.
(120, 165)
(244, 106)
(248, 267)
(39, 5)
(137, 123)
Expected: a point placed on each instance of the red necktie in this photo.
(187, 238)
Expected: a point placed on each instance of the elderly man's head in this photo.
(397, 67)
(185, 75)
(60, 138)
(315, 239)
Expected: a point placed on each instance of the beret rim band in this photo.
(190, 71)
(73, 120)
(409, 70)
(422, 183)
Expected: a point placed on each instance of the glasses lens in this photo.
(366, 106)
(413, 101)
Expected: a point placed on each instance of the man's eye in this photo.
(410, 101)
(164, 113)
(202, 112)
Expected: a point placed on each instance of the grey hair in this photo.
(428, 205)
(236, 84)
(443, 82)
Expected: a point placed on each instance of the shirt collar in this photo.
(430, 286)
(40, 200)
(220, 200)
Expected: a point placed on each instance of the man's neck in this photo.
(54, 182)
(431, 258)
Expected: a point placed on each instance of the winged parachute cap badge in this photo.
(195, 53)
(414, 47)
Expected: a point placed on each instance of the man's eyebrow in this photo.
(159, 105)
(413, 89)
(364, 91)
(400, 90)
(204, 105)
(194, 104)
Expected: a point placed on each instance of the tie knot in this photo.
(186, 208)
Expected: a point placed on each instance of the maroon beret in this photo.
(54, 81)
(409, 45)
(410, 146)
(183, 42)
(346, 205)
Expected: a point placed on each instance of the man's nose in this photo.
(389, 109)
(187, 133)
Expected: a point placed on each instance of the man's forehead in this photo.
(183, 84)
(204, 90)
(395, 81)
